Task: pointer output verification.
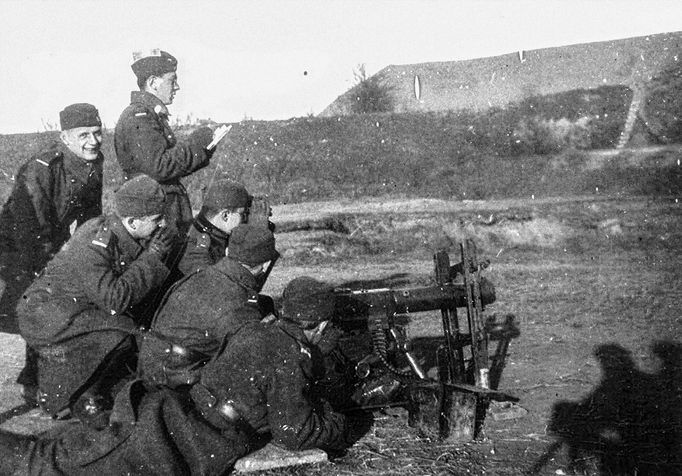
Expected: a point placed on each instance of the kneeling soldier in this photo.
(75, 313)
(255, 389)
(205, 308)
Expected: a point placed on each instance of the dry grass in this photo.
(575, 274)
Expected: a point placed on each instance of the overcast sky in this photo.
(272, 59)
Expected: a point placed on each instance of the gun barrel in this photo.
(363, 302)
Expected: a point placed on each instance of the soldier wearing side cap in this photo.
(76, 314)
(55, 191)
(254, 390)
(205, 308)
(225, 207)
(145, 142)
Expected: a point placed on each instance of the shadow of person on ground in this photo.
(630, 423)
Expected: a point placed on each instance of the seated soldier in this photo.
(227, 205)
(253, 390)
(205, 308)
(75, 314)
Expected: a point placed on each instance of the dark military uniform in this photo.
(263, 376)
(256, 387)
(74, 314)
(52, 191)
(206, 245)
(145, 144)
(197, 314)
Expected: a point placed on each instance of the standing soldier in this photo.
(54, 191)
(205, 308)
(75, 315)
(145, 143)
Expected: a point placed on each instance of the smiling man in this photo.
(57, 190)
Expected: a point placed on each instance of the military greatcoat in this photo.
(197, 314)
(52, 191)
(146, 144)
(264, 373)
(255, 388)
(75, 313)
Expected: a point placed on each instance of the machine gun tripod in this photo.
(384, 366)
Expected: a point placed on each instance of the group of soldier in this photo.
(146, 326)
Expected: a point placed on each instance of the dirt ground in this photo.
(594, 287)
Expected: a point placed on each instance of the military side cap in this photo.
(154, 62)
(226, 194)
(139, 197)
(252, 245)
(79, 115)
(307, 300)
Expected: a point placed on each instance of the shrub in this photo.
(370, 94)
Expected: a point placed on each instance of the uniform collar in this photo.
(77, 167)
(293, 330)
(128, 245)
(236, 272)
(202, 224)
(150, 101)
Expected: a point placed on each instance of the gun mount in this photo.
(442, 381)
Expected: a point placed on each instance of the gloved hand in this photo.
(162, 242)
(260, 211)
(201, 137)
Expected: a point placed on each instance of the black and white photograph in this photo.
(341, 237)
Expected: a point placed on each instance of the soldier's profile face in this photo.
(231, 219)
(85, 142)
(165, 87)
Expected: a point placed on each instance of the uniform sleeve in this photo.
(196, 255)
(114, 292)
(36, 208)
(294, 421)
(143, 138)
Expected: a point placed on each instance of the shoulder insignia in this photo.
(138, 114)
(253, 299)
(203, 240)
(103, 237)
(47, 157)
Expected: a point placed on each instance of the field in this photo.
(593, 285)
(585, 250)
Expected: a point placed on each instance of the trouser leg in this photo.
(93, 401)
(28, 377)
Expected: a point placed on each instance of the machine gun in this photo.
(381, 367)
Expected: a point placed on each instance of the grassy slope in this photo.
(397, 155)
